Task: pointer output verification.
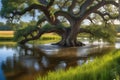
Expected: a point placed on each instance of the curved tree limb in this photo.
(69, 17)
(84, 6)
(41, 20)
(94, 8)
(62, 5)
(105, 14)
(101, 15)
(90, 20)
(50, 3)
(41, 32)
(72, 6)
(33, 6)
(44, 9)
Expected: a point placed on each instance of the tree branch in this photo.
(33, 6)
(72, 6)
(105, 14)
(84, 6)
(50, 3)
(91, 20)
(41, 20)
(67, 15)
(101, 15)
(94, 8)
(41, 32)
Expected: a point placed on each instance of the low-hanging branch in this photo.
(43, 30)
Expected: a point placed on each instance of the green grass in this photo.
(43, 41)
(47, 38)
(104, 68)
(6, 43)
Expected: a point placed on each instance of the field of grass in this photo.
(6, 35)
(104, 68)
(47, 38)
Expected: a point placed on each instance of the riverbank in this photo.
(104, 68)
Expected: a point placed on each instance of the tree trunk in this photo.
(68, 35)
(69, 38)
(69, 42)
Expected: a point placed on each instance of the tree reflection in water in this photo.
(27, 62)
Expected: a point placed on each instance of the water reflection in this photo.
(25, 62)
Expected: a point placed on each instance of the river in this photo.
(18, 62)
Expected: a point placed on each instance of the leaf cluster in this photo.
(20, 33)
(106, 32)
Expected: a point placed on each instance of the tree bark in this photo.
(68, 36)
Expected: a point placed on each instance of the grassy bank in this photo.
(6, 35)
(104, 68)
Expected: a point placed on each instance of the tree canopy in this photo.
(69, 14)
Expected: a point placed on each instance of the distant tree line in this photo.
(14, 26)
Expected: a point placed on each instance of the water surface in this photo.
(26, 62)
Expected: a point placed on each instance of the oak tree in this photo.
(63, 17)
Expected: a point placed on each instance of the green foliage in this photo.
(118, 28)
(9, 6)
(25, 31)
(107, 33)
(6, 28)
(49, 26)
(104, 68)
(20, 33)
(1, 24)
